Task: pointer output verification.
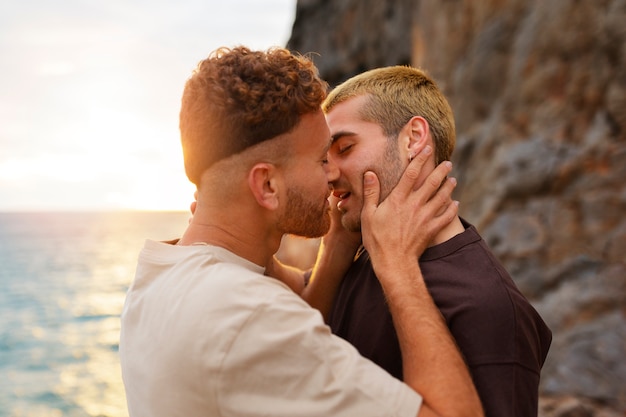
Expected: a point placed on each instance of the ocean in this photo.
(63, 279)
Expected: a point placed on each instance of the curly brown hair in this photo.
(237, 98)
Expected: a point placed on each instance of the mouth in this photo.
(343, 197)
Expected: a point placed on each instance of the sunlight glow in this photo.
(91, 94)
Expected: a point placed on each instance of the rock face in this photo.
(539, 94)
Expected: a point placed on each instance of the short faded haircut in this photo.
(396, 94)
(237, 98)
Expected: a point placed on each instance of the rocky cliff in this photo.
(539, 94)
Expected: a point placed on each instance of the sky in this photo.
(90, 94)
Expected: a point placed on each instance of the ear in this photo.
(264, 182)
(415, 135)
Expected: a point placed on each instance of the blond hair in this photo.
(396, 94)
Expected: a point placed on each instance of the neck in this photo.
(239, 237)
(454, 228)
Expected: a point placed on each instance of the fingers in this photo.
(433, 183)
(371, 195)
(335, 215)
(192, 206)
(408, 181)
(450, 212)
(444, 209)
(333, 201)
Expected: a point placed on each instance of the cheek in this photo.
(353, 166)
(358, 167)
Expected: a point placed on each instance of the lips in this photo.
(342, 196)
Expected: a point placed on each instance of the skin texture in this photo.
(307, 210)
(259, 198)
(427, 347)
(250, 196)
(381, 156)
(360, 145)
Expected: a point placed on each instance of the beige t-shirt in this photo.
(205, 333)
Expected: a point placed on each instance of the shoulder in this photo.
(488, 315)
(285, 347)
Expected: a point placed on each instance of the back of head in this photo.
(237, 98)
(397, 94)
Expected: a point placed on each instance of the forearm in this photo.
(289, 275)
(395, 233)
(432, 363)
(333, 261)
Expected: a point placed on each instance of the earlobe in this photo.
(264, 183)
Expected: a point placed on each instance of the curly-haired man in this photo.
(206, 333)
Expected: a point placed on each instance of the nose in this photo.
(332, 170)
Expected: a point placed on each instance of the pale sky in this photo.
(90, 93)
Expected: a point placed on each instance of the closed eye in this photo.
(344, 149)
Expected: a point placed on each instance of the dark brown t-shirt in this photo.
(502, 337)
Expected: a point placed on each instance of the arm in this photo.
(333, 260)
(335, 255)
(432, 363)
(293, 277)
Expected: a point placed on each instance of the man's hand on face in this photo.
(409, 218)
(338, 234)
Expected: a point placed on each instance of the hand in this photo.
(410, 217)
(334, 258)
(338, 237)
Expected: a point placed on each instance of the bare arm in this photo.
(333, 260)
(334, 257)
(293, 277)
(432, 363)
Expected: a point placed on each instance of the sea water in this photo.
(63, 280)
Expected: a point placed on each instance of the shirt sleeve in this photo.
(507, 389)
(286, 360)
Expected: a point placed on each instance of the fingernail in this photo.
(427, 150)
(448, 164)
(368, 178)
(452, 180)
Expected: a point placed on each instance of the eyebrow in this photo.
(340, 134)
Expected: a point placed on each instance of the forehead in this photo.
(347, 110)
(312, 132)
(345, 120)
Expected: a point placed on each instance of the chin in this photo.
(324, 227)
(315, 230)
(351, 224)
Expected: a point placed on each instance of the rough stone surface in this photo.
(539, 94)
